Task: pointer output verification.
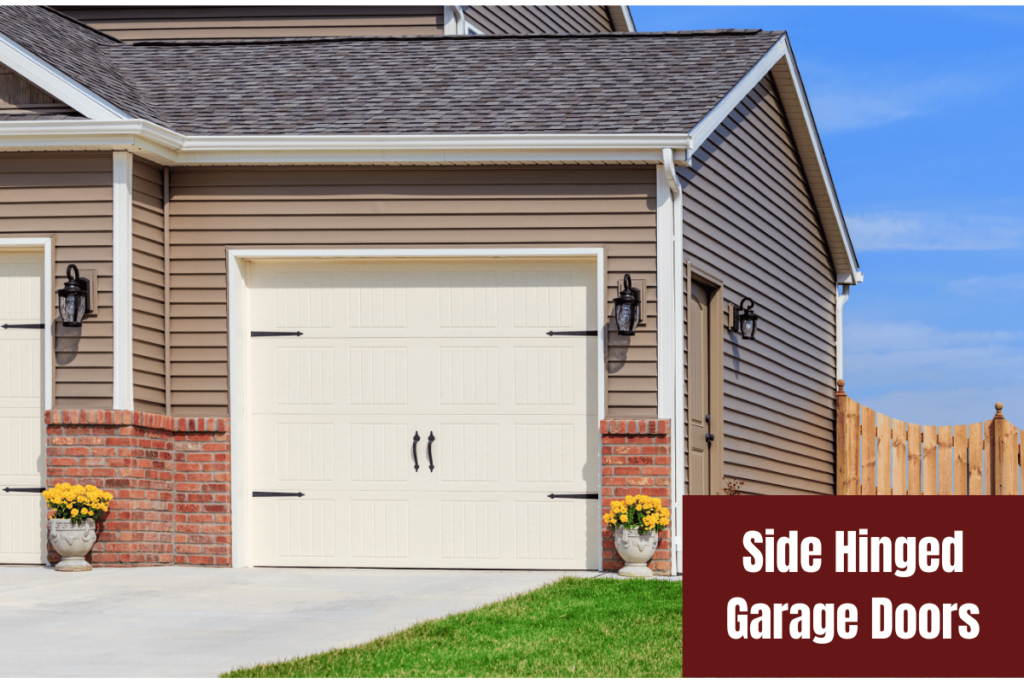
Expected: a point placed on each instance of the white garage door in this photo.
(22, 469)
(455, 353)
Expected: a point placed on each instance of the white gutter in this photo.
(840, 302)
(676, 444)
(169, 148)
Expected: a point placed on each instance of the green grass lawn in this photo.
(573, 627)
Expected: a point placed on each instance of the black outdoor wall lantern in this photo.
(73, 299)
(744, 319)
(627, 308)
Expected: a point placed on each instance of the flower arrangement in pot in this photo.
(73, 514)
(635, 523)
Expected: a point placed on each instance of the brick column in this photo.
(635, 459)
(169, 476)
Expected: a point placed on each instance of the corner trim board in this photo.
(124, 383)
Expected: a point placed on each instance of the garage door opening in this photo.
(423, 413)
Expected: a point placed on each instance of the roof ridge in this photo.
(415, 38)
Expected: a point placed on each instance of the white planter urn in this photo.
(636, 549)
(73, 542)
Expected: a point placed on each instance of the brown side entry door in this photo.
(699, 392)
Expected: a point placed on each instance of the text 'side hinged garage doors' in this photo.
(424, 413)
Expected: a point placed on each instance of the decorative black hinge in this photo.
(588, 496)
(10, 489)
(276, 494)
(574, 333)
(275, 334)
(30, 326)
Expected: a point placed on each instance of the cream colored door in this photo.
(22, 512)
(454, 352)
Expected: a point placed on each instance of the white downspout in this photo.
(840, 302)
(676, 447)
(454, 20)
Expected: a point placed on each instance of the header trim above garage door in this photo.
(241, 508)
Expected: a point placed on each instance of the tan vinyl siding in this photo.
(135, 23)
(148, 287)
(373, 208)
(750, 221)
(69, 198)
(18, 95)
(524, 19)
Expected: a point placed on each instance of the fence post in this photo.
(845, 439)
(1000, 456)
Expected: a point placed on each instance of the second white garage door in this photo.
(454, 353)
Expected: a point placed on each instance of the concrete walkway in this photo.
(186, 622)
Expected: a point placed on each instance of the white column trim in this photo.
(122, 271)
(665, 218)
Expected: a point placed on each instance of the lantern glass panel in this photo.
(69, 306)
(624, 317)
(748, 326)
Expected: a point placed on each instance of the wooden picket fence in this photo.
(877, 455)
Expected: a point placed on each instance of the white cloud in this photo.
(926, 375)
(985, 285)
(933, 231)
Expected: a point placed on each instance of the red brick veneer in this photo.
(635, 459)
(171, 480)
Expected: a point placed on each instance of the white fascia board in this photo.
(620, 14)
(781, 56)
(124, 384)
(68, 91)
(175, 149)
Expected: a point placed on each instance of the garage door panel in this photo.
(22, 463)
(461, 300)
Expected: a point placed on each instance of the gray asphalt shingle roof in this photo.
(601, 83)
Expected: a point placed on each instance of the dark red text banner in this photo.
(946, 599)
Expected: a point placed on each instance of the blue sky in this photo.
(920, 113)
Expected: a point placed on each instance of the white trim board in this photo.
(237, 260)
(54, 82)
(780, 62)
(124, 383)
(45, 246)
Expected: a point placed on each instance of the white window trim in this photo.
(44, 245)
(238, 295)
(68, 91)
(124, 384)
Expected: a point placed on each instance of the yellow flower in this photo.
(89, 512)
(623, 518)
(630, 500)
(74, 512)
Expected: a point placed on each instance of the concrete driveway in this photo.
(188, 621)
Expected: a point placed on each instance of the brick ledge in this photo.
(137, 419)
